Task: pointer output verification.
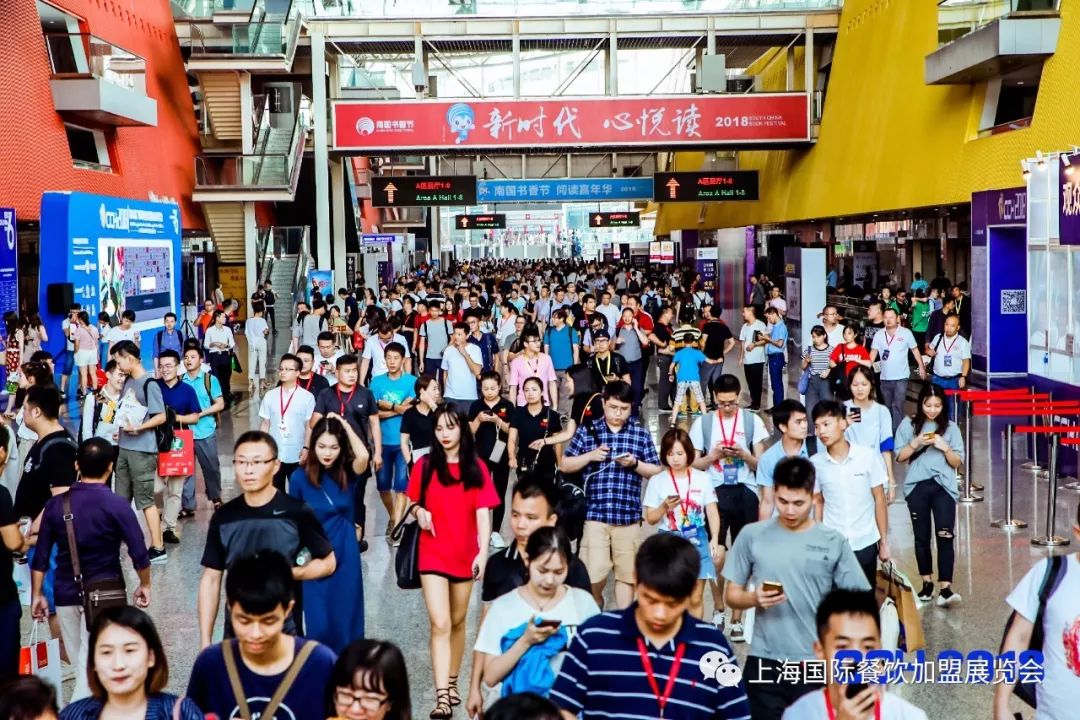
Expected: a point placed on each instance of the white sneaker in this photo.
(950, 601)
(497, 541)
(719, 619)
(737, 635)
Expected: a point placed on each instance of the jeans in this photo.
(665, 389)
(709, 373)
(817, 391)
(10, 639)
(929, 500)
(207, 455)
(462, 406)
(777, 376)
(564, 395)
(952, 405)
(431, 367)
(394, 474)
(893, 396)
(637, 382)
(755, 375)
(769, 695)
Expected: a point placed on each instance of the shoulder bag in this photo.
(97, 594)
(407, 535)
(228, 654)
(1055, 573)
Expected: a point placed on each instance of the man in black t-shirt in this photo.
(261, 519)
(718, 342)
(10, 607)
(532, 506)
(50, 465)
(606, 366)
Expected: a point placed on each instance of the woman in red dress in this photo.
(456, 521)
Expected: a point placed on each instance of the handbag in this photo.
(41, 658)
(891, 583)
(97, 594)
(407, 535)
(180, 460)
(804, 381)
(235, 361)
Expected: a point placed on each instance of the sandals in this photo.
(455, 696)
(443, 709)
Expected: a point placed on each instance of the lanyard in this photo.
(343, 401)
(646, 664)
(948, 348)
(832, 711)
(606, 372)
(310, 380)
(734, 429)
(889, 340)
(285, 405)
(684, 503)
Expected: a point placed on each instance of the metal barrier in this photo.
(1055, 432)
(967, 397)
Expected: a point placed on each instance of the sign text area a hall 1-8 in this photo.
(422, 190)
(705, 186)
(614, 219)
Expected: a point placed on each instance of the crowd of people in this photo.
(497, 394)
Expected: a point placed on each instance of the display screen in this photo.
(136, 277)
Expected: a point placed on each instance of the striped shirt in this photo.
(603, 675)
(819, 360)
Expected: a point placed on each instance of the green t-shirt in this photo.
(920, 317)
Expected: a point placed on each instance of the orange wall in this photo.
(33, 145)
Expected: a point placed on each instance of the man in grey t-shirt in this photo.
(793, 562)
(136, 465)
(434, 337)
(313, 324)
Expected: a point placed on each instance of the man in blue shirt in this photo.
(613, 454)
(776, 352)
(211, 402)
(181, 399)
(168, 339)
(489, 346)
(790, 418)
(394, 393)
(646, 661)
(563, 344)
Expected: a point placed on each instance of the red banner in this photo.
(656, 122)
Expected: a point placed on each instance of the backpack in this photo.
(573, 502)
(652, 305)
(157, 342)
(748, 422)
(164, 434)
(1055, 573)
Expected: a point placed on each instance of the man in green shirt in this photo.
(920, 316)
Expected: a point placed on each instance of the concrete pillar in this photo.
(337, 208)
(251, 240)
(611, 61)
(790, 80)
(247, 133)
(809, 63)
(322, 150)
(515, 45)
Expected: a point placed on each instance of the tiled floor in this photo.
(989, 563)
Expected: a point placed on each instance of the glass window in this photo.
(89, 148)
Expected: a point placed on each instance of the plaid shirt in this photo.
(613, 492)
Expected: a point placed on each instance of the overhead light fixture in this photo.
(1040, 161)
(1025, 169)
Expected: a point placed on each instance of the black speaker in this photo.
(59, 297)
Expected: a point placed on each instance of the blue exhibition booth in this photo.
(108, 255)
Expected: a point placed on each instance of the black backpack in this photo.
(164, 433)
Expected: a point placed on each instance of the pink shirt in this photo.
(522, 368)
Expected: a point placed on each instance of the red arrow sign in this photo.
(390, 190)
(672, 185)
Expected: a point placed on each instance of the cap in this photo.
(600, 335)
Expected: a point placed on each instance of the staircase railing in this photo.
(264, 257)
(303, 260)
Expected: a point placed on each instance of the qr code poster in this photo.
(1013, 302)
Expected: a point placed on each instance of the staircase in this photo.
(226, 221)
(275, 164)
(222, 93)
(282, 274)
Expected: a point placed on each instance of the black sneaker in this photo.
(185, 514)
(170, 537)
(927, 592)
(158, 555)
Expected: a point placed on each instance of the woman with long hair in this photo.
(933, 447)
(454, 495)
(128, 672)
(220, 343)
(870, 422)
(85, 336)
(409, 321)
(418, 422)
(490, 421)
(536, 434)
(369, 682)
(34, 334)
(545, 612)
(851, 352)
(330, 483)
(816, 359)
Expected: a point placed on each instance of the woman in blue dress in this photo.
(329, 482)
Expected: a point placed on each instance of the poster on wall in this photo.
(322, 282)
(9, 258)
(667, 252)
(233, 279)
(864, 269)
(118, 254)
(979, 295)
(706, 266)
(793, 297)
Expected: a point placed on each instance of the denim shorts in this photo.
(394, 474)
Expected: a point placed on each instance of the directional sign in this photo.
(705, 186)
(614, 219)
(417, 190)
(495, 221)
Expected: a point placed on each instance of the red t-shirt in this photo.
(847, 355)
(644, 321)
(450, 551)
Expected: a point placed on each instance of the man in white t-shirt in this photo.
(753, 337)
(1060, 687)
(951, 353)
(891, 347)
(848, 620)
(462, 364)
(374, 357)
(851, 483)
(285, 412)
(326, 362)
(834, 329)
(777, 302)
(727, 446)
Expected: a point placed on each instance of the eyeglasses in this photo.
(244, 463)
(730, 404)
(367, 702)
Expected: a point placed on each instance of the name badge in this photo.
(283, 429)
(947, 361)
(731, 474)
(885, 355)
